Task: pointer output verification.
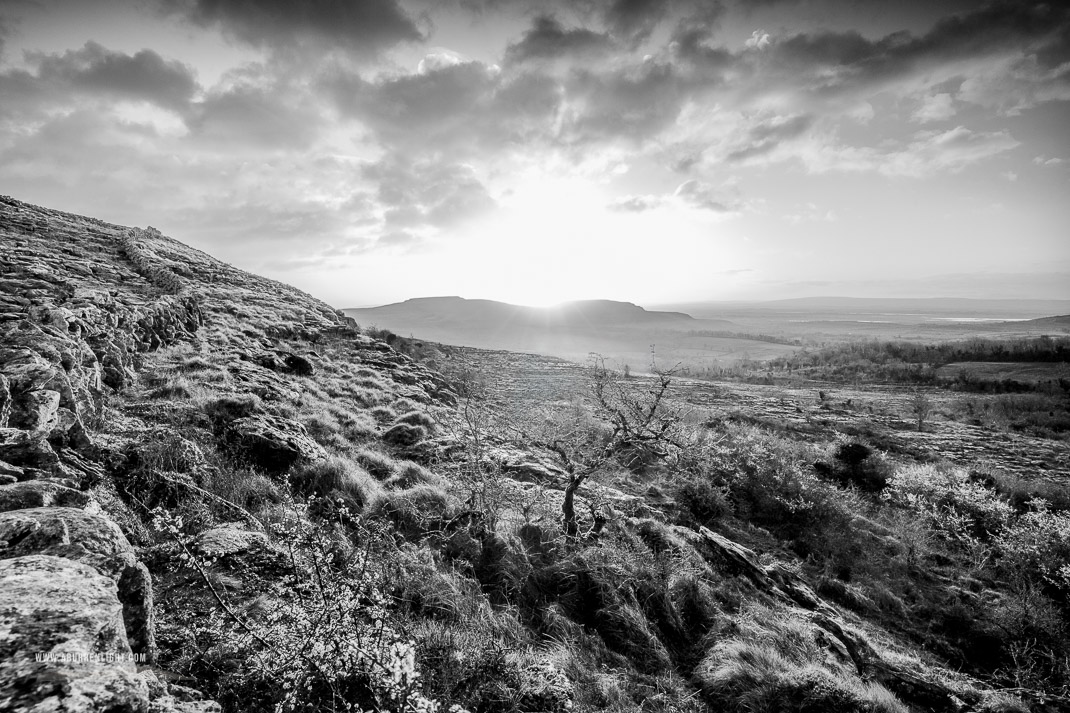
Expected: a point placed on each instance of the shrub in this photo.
(1037, 546)
(950, 501)
(771, 482)
(338, 478)
(858, 465)
(1020, 492)
(702, 501)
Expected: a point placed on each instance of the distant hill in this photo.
(1061, 321)
(572, 330)
(445, 312)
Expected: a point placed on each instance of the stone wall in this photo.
(75, 604)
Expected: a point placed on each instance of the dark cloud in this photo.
(632, 103)
(269, 117)
(549, 39)
(93, 69)
(362, 26)
(839, 60)
(634, 20)
(767, 135)
(426, 194)
(691, 36)
(458, 108)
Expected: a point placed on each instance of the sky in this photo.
(369, 151)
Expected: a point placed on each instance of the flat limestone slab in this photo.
(63, 645)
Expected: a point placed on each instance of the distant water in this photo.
(980, 319)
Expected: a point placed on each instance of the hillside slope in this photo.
(217, 493)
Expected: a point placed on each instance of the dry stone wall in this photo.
(75, 604)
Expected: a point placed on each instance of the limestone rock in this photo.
(226, 540)
(5, 400)
(53, 607)
(27, 449)
(274, 443)
(10, 471)
(91, 539)
(298, 364)
(40, 493)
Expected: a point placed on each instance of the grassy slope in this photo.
(433, 529)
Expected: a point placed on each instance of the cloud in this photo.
(362, 27)
(829, 66)
(758, 40)
(463, 109)
(810, 212)
(633, 103)
(767, 135)
(635, 204)
(427, 195)
(935, 107)
(698, 194)
(94, 70)
(1016, 84)
(268, 117)
(549, 40)
(1045, 161)
(634, 20)
(928, 152)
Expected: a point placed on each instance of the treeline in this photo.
(915, 356)
(770, 338)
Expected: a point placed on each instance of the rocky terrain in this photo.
(172, 429)
(815, 412)
(84, 306)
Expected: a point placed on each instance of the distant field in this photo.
(1026, 372)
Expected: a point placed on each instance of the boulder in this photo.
(240, 551)
(94, 540)
(27, 449)
(35, 410)
(273, 443)
(39, 494)
(298, 364)
(67, 614)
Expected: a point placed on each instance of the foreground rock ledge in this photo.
(53, 607)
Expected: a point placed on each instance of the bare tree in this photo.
(634, 424)
(921, 407)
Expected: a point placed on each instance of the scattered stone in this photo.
(39, 494)
(227, 540)
(274, 443)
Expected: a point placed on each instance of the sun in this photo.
(541, 247)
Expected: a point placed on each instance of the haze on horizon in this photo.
(533, 153)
